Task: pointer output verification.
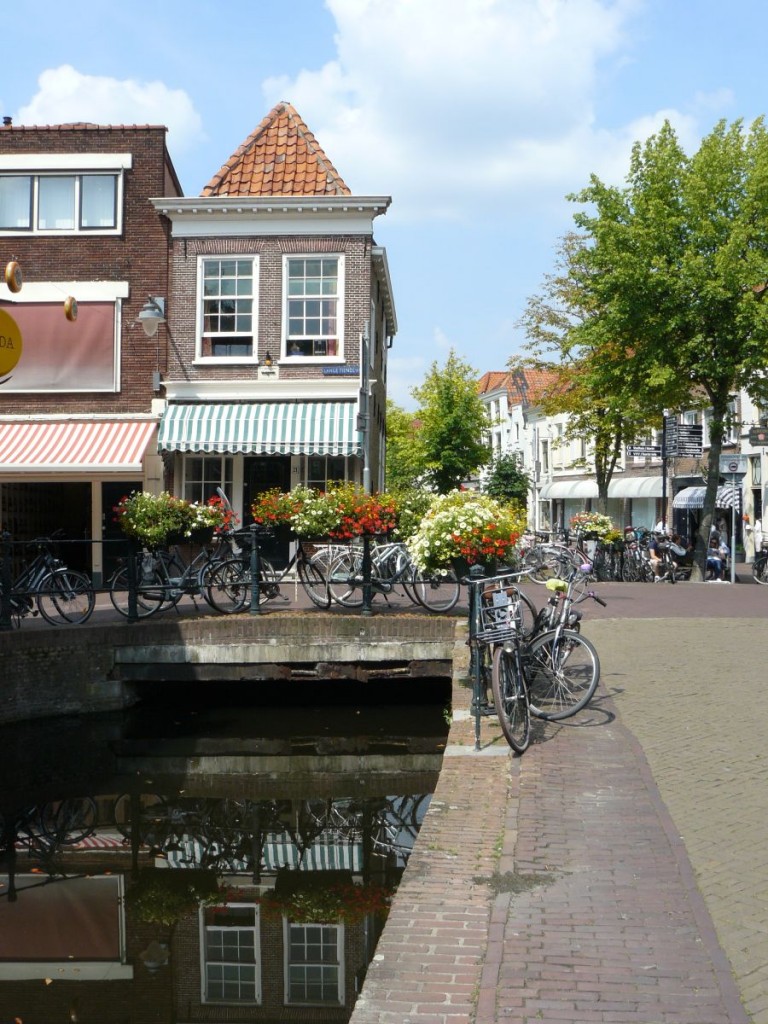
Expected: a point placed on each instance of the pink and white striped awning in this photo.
(74, 446)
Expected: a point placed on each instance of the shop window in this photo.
(323, 470)
(203, 474)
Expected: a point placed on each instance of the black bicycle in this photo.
(46, 586)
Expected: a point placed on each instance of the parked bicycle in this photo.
(551, 675)
(760, 567)
(46, 586)
(391, 565)
(230, 583)
(163, 576)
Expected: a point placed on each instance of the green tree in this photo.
(452, 420)
(586, 368)
(402, 467)
(678, 262)
(507, 480)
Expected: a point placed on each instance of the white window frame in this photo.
(340, 291)
(66, 165)
(338, 965)
(204, 961)
(209, 360)
(226, 482)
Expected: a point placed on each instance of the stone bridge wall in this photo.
(80, 669)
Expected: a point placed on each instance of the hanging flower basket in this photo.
(464, 528)
(156, 520)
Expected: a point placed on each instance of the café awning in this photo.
(636, 487)
(261, 428)
(693, 497)
(563, 489)
(74, 446)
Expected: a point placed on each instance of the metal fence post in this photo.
(133, 580)
(367, 588)
(479, 694)
(255, 608)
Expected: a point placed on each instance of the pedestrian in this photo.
(717, 557)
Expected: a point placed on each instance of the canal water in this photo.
(205, 858)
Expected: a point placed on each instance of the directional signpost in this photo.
(684, 440)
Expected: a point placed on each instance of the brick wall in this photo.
(139, 255)
(270, 250)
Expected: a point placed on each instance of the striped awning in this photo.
(74, 446)
(262, 428)
(693, 497)
(327, 853)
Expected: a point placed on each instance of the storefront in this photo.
(66, 473)
(246, 448)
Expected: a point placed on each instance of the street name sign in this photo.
(637, 451)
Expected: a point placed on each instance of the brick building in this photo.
(78, 414)
(280, 321)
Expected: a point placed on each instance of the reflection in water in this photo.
(196, 867)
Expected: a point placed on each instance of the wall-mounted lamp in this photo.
(152, 315)
(267, 359)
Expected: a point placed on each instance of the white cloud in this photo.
(449, 104)
(66, 95)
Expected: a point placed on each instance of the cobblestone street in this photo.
(617, 871)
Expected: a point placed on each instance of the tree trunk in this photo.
(717, 429)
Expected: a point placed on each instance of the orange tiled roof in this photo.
(522, 386)
(536, 382)
(492, 381)
(281, 157)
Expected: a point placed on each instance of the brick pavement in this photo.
(617, 871)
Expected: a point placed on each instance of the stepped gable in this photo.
(281, 157)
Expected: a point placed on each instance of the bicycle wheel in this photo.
(66, 597)
(314, 582)
(345, 579)
(69, 821)
(438, 592)
(563, 671)
(760, 569)
(150, 592)
(510, 699)
(229, 586)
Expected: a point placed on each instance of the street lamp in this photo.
(152, 315)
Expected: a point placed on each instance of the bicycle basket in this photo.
(499, 614)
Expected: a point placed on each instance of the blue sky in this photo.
(478, 117)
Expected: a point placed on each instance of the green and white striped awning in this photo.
(261, 428)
